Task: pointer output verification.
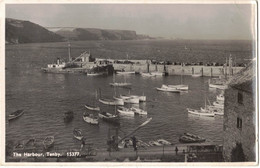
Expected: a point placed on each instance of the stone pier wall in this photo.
(178, 69)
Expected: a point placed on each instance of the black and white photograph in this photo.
(130, 82)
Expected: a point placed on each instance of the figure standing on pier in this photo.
(176, 150)
(134, 143)
(82, 143)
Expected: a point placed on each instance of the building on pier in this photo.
(239, 143)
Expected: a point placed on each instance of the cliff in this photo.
(97, 34)
(19, 31)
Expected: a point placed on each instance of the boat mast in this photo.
(69, 51)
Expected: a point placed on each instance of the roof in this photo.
(245, 78)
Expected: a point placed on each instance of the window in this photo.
(239, 123)
(240, 98)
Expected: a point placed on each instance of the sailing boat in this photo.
(203, 111)
(123, 72)
(180, 87)
(119, 84)
(156, 72)
(110, 102)
(140, 98)
(108, 117)
(93, 107)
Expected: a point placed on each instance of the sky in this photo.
(182, 21)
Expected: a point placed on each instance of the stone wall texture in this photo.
(232, 135)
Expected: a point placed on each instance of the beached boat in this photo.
(110, 102)
(93, 108)
(191, 138)
(125, 111)
(147, 74)
(111, 118)
(15, 114)
(90, 118)
(68, 116)
(154, 143)
(48, 142)
(77, 133)
(200, 113)
(163, 142)
(138, 111)
(164, 88)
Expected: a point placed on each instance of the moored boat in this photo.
(15, 114)
(125, 72)
(218, 104)
(111, 118)
(196, 75)
(157, 73)
(48, 142)
(77, 133)
(138, 111)
(110, 102)
(148, 74)
(220, 97)
(95, 74)
(90, 118)
(200, 113)
(125, 111)
(93, 108)
(168, 89)
(120, 84)
(30, 143)
(218, 86)
(141, 98)
(178, 87)
(132, 100)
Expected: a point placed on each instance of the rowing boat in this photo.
(15, 114)
(48, 142)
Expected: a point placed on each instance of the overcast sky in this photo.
(188, 21)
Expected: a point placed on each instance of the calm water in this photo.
(45, 97)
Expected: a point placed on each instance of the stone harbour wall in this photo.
(178, 69)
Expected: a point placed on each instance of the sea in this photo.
(45, 97)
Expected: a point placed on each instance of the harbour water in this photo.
(45, 97)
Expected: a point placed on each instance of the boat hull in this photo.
(173, 90)
(222, 87)
(90, 120)
(197, 112)
(92, 108)
(15, 114)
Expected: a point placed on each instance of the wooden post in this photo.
(202, 71)
(211, 72)
(192, 70)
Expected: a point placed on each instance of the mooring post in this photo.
(232, 71)
(192, 70)
(202, 71)
(211, 72)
